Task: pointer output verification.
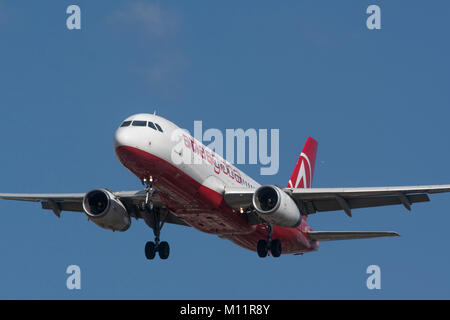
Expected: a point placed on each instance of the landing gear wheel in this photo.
(150, 250)
(163, 250)
(274, 245)
(146, 205)
(261, 248)
(275, 248)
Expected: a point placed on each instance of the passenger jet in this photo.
(188, 184)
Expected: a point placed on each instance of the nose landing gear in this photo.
(154, 216)
(273, 245)
(149, 192)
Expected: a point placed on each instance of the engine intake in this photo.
(275, 206)
(104, 209)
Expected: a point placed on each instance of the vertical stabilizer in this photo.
(303, 174)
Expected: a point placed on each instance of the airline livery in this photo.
(188, 184)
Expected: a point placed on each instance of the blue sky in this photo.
(377, 102)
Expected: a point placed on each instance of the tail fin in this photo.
(303, 174)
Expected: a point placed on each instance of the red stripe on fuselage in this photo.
(203, 208)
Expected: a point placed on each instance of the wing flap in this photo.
(365, 202)
(349, 235)
(63, 206)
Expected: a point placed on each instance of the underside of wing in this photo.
(348, 235)
(330, 199)
(133, 199)
(58, 202)
(313, 200)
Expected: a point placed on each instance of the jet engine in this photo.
(104, 209)
(275, 206)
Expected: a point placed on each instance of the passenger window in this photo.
(159, 128)
(125, 124)
(151, 125)
(139, 123)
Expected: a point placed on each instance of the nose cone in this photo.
(124, 148)
(141, 163)
(128, 149)
(122, 137)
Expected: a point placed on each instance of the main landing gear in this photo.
(154, 216)
(162, 248)
(273, 245)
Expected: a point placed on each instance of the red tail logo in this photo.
(303, 174)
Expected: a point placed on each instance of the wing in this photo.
(58, 202)
(312, 200)
(348, 235)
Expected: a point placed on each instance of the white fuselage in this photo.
(179, 148)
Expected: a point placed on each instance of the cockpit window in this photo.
(159, 128)
(125, 124)
(151, 125)
(139, 123)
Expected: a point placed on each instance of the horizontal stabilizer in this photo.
(348, 235)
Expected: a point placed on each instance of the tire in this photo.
(146, 206)
(275, 248)
(164, 250)
(150, 250)
(261, 248)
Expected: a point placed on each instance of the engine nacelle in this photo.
(105, 210)
(275, 206)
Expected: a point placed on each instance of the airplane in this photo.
(188, 184)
